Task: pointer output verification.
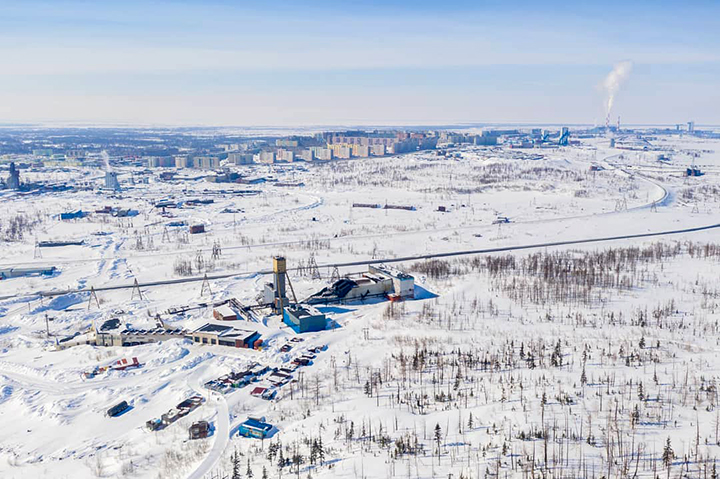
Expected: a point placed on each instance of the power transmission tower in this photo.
(38, 253)
(216, 250)
(136, 289)
(653, 208)
(150, 241)
(165, 236)
(93, 295)
(199, 260)
(313, 267)
(205, 286)
(335, 275)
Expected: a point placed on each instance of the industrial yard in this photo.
(462, 310)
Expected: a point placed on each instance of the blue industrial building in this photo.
(23, 272)
(254, 427)
(71, 215)
(304, 318)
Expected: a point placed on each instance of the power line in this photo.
(401, 259)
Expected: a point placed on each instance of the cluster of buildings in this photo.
(339, 145)
(362, 144)
(322, 147)
(181, 410)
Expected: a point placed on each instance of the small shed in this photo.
(195, 229)
(225, 313)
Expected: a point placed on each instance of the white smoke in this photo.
(613, 81)
(106, 158)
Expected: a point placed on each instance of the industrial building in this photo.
(222, 335)
(275, 294)
(255, 427)
(55, 244)
(8, 273)
(71, 215)
(379, 281)
(111, 181)
(225, 313)
(13, 181)
(131, 337)
(304, 318)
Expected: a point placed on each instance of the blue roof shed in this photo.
(256, 428)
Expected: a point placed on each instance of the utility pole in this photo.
(47, 324)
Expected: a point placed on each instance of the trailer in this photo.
(118, 409)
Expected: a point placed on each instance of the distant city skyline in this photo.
(322, 63)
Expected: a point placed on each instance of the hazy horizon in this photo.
(317, 63)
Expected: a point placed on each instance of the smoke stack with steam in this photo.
(612, 84)
(111, 177)
(106, 158)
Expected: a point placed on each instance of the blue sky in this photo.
(322, 62)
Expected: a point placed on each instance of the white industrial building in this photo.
(379, 281)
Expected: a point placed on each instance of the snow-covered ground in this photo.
(439, 385)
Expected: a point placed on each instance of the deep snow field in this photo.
(564, 361)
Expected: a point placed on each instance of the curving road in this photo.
(221, 435)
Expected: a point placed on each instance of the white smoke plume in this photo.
(106, 157)
(613, 81)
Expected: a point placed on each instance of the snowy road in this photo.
(222, 438)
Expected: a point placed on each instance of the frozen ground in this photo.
(391, 373)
